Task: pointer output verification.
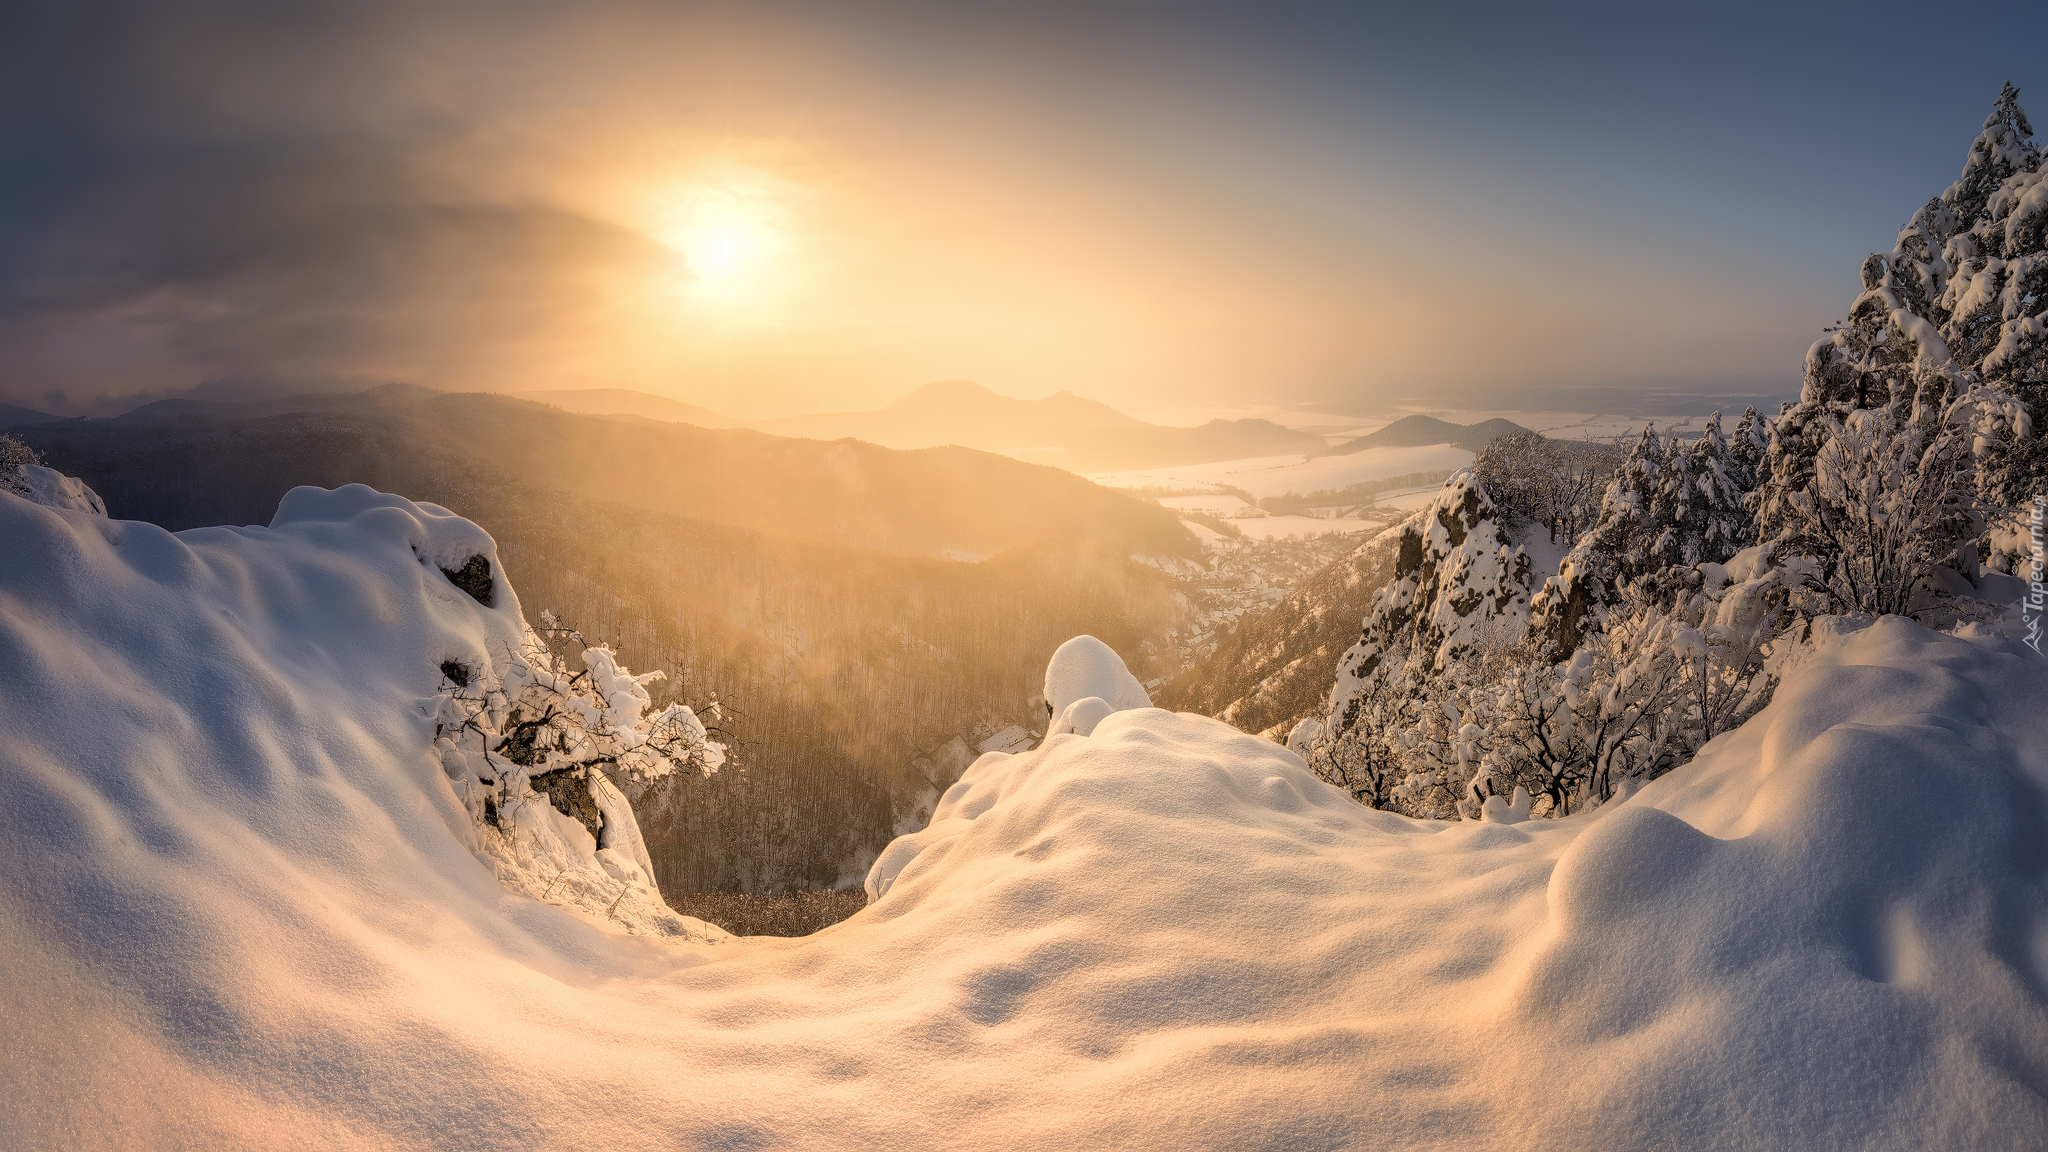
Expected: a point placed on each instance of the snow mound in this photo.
(239, 908)
(1085, 667)
(53, 489)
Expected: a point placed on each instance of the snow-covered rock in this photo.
(1085, 666)
(239, 908)
(53, 489)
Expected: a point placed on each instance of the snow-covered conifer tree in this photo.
(1621, 547)
(1746, 450)
(1715, 525)
(1948, 345)
(1460, 588)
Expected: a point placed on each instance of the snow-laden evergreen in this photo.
(1460, 590)
(1669, 621)
(1637, 522)
(1932, 392)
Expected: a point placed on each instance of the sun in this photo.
(727, 238)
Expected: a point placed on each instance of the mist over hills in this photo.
(1063, 430)
(627, 402)
(932, 502)
(802, 583)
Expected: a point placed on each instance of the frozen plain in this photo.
(243, 908)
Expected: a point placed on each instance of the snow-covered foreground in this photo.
(242, 909)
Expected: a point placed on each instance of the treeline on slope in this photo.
(1894, 485)
(837, 665)
(1275, 666)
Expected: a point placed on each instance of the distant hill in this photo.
(1062, 430)
(12, 415)
(627, 402)
(1415, 431)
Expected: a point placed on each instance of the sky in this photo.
(773, 209)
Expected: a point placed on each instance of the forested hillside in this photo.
(1906, 481)
(839, 664)
(1274, 666)
(194, 462)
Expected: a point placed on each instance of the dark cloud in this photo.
(253, 193)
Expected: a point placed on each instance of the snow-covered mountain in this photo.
(245, 903)
(1063, 430)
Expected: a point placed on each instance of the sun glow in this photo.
(728, 238)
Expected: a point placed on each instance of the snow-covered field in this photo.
(1275, 527)
(1221, 503)
(1410, 499)
(241, 907)
(1281, 475)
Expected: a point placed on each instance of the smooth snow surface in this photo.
(1219, 502)
(237, 909)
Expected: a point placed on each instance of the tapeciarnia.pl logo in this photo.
(2037, 577)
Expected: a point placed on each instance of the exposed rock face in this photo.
(569, 792)
(474, 577)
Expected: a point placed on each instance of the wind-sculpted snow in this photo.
(241, 910)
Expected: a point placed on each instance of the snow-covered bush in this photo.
(1551, 483)
(14, 456)
(536, 752)
(22, 473)
(1666, 675)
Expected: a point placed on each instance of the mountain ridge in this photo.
(1415, 431)
(1064, 430)
(14, 416)
(628, 402)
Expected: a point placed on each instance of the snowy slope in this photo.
(239, 908)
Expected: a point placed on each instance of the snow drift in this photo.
(243, 907)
